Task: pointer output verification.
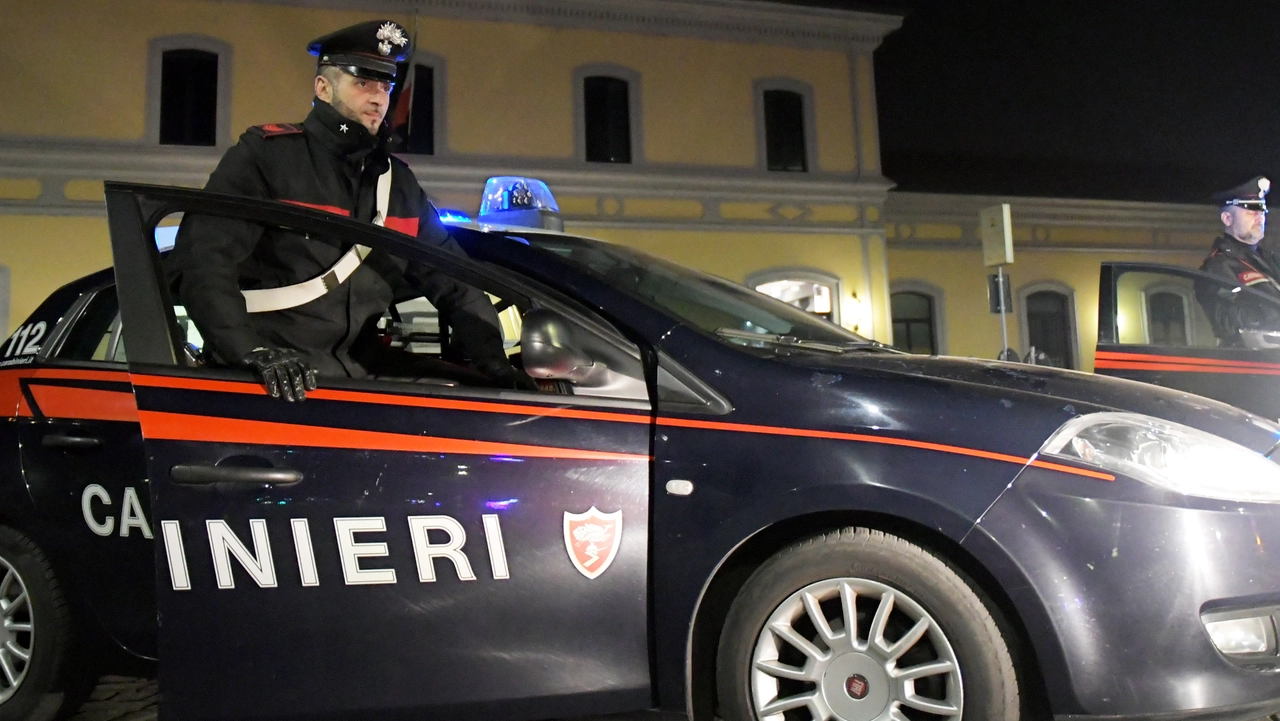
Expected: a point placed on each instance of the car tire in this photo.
(36, 620)
(927, 645)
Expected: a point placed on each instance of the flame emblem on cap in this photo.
(390, 34)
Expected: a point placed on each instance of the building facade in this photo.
(735, 136)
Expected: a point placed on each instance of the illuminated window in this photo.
(914, 326)
(809, 290)
(606, 107)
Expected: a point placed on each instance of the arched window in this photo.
(418, 106)
(1167, 318)
(809, 290)
(189, 91)
(784, 118)
(916, 309)
(1048, 322)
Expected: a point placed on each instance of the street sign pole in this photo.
(995, 225)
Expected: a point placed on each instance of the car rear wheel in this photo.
(42, 673)
(859, 625)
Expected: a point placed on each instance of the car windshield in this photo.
(733, 312)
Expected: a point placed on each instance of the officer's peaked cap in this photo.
(1252, 195)
(365, 50)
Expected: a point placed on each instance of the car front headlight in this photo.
(1168, 455)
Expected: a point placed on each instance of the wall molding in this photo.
(914, 208)
(728, 20)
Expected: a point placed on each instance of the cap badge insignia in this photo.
(390, 34)
(592, 540)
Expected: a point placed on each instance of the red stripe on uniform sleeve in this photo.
(408, 226)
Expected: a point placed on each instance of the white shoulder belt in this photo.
(291, 296)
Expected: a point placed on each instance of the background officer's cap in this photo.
(366, 50)
(1252, 195)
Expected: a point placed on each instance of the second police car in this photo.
(716, 504)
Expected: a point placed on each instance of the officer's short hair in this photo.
(330, 72)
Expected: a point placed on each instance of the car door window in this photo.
(1165, 307)
(96, 333)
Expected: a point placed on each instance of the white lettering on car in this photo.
(306, 553)
(425, 551)
(224, 543)
(351, 552)
(26, 340)
(497, 551)
(91, 492)
(131, 514)
(177, 555)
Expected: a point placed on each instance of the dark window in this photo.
(422, 111)
(784, 131)
(913, 322)
(188, 97)
(1049, 328)
(1167, 319)
(96, 333)
(606, 110)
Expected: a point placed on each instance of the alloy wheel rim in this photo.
(17, 631)
(852, 649)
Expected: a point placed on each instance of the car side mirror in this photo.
(548, 350)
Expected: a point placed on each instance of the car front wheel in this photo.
(859, 625)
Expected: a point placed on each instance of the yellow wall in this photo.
(697, 99)
(737, 255)
(43, 253)
(972, 330)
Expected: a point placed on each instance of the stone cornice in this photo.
(963, 209)
(731, 20)
(789, 197)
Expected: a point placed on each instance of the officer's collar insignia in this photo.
(592, 539)
(343, 127)
(390, 34)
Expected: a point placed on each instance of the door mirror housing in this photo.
(549, 350)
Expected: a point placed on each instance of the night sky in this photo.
(1163, 101)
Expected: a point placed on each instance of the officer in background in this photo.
(1243, 319)
(309, 305)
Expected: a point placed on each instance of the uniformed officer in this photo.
(1243, 319)
(288, 306)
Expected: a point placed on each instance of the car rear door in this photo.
(1152, 328)
(383, 546)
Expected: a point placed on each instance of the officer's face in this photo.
(1246, 226)
(362, 100)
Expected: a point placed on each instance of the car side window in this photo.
(376, 317)
(95, 334)
(1166, 308)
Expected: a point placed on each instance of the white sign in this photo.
(995, 225)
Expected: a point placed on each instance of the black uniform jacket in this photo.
(1243, 265)
(333, 164)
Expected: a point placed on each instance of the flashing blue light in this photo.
(501, 505)
(449, 215)
(510, 192)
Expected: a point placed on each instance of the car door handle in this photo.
(69, 443)
(196, 474)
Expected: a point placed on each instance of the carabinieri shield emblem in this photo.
(592, 540)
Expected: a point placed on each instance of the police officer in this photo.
(1243, 319)
(290, 306)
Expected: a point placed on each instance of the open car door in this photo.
(1152, 328)
(390, 546)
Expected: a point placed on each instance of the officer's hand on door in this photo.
(282, 371)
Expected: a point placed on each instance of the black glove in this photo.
(506, 375)
(282, 371)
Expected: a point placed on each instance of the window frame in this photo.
(1073, 324)
(439, 88)
(1187, 300)
(634, 114)
(808, 275)
(155, 65)
(936, 296)
(808, 121)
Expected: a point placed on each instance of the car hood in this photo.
(1080, 392)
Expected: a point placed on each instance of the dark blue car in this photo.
(714, 504)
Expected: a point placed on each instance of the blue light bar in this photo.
(515, 200)
(449, 215)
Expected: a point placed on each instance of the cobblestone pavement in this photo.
(118, 698)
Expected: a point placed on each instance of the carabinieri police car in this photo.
(715, 504)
